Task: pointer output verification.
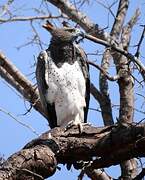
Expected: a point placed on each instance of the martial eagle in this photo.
(62, 76)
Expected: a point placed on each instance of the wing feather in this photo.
(82, 59)
(41, 77)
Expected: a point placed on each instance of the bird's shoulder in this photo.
(82, 60)
(44, 55)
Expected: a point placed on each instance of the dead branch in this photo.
(29, 18)
(140, 42)
(103, 101)
(110, 145)
(14, 77)
(96, 93)
(127, 29)
(74, 14)
(111, 78)
(103, 84)
(104, 88)
(119, 19)
(126, 89)
(128, 55)
(19, 121)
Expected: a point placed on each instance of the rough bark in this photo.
(126, 167)
(126, 89)
(110, 145)
(103, 84)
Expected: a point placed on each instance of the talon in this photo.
(69, 125)
(87, 124)
(79, 125)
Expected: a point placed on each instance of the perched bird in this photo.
(62, 76)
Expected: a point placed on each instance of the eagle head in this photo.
(65, 34)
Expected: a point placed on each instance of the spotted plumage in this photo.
(63, 79)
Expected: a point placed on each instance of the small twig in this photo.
(93, 109)
(31, 106)
(29, 18)
(140, 42)
(140, 121)
(131, 57)
(111, 78)
(19, 121)
(108, 7)
(11, 87)
(37, 37)
(28, 110)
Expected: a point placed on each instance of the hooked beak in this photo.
(48, 26)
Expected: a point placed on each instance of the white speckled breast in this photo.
(66, 89)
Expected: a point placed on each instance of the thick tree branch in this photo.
(115, 33)
(110, 145)
(34, 163)
(96, 93)
(16, 79)
(119, 19)
(126, 81)
(127, 29)
(103, 84)
(74, 14)
(126, 89)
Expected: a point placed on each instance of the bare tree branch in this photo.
(140, 42)
(110, 146)
(103, 85)
(126, 89)
(74, 14)
(111, 78)
(104, 103)
(96, 93)
(120, 17)
(19, 121)
(128, 55)
(127, 29)
(15, 78)
(29, 18)
(115, 32)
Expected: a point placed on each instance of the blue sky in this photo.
(12, 35)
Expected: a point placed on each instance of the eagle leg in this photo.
(73, 123)
(81, 126)
(78, 124)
